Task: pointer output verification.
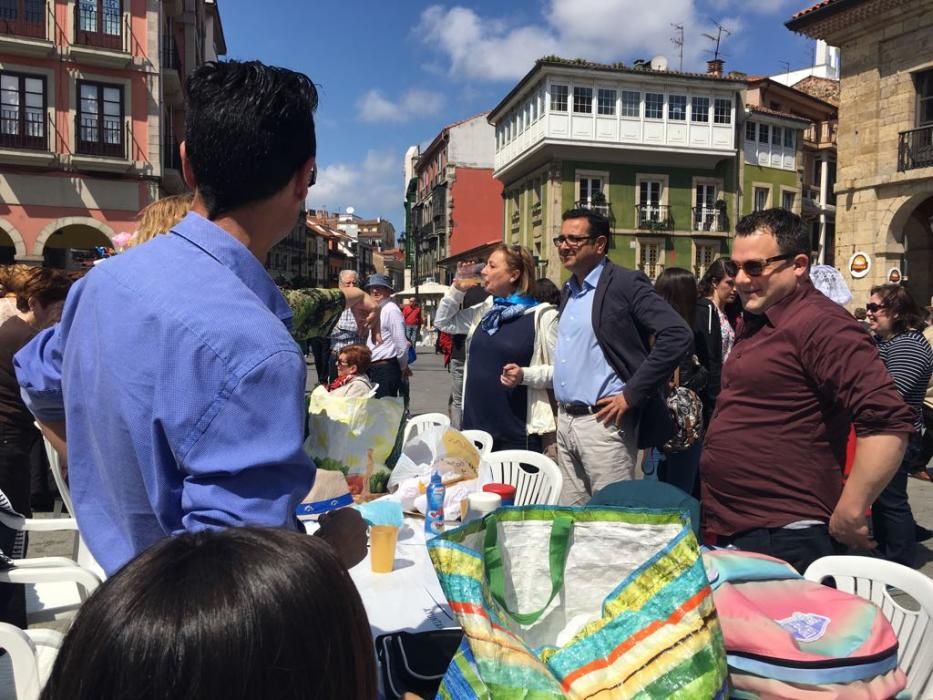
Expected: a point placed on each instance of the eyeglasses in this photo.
(572, 241)
(312, 178)
(343, 363)
(754, 268)
(873, 308)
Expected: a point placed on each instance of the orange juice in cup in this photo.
(382, 541)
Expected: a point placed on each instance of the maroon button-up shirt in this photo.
(796, 378)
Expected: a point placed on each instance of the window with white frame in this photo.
(558, 98)
(705, 213)
(722, 111)
(654, 105)
(760, 200)
(650, 193)
(706, 253)
(606, 102)
(788, 199)
(750, 131)
(777, 136)
(677, 107)
(764, 133)
(631, 103)
(699, 110)
(649, 258)
(583, 100)
(592, 195)
(789, 138)
(534, 110)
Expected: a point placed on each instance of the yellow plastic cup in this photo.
(382, 541)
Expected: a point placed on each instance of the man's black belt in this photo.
(390, 360)
(577, 408)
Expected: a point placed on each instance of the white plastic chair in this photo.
(29, 657)
(419, 424)
(481, 439)
(536, 478)
(55, 586)
(869, 578)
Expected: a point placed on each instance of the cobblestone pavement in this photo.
(430, 388)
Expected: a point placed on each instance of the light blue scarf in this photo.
(505, 309)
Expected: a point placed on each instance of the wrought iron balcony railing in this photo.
(600, 206)
(709, 219)
(25, 18)
(915, 148)
(23, 129)
(100, 137)
(100, 27)
(653, 217)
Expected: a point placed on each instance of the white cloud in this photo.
(759, 6)
(373, 187)
(374, 106)
(492, 48)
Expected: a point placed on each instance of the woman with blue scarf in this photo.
(509, 352)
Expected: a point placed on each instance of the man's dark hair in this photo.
(599, 224)
(787, 228)
(249, 128)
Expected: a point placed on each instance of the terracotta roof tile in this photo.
(814, 8)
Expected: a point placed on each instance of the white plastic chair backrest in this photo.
(481, 439)
(28, 661)
(419, 424)
(536, 478)
(869, 578)
(60, 483)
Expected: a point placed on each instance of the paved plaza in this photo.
(429, 391)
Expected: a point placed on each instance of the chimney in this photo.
(714, 67)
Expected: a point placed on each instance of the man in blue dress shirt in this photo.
(173, 366)
(618, 343)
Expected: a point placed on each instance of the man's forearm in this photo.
(877, 458)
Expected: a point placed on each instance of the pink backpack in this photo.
(788, 638)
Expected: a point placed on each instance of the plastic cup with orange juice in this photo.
(382, 541)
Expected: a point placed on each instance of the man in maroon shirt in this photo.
(801, 370)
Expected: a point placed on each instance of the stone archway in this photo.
(19, 245)
(910, 227)
(38, 247)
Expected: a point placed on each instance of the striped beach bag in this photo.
(560, 602)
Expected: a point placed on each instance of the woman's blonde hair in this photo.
(519, 259)
(160, 216)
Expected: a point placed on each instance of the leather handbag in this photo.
(415, 662)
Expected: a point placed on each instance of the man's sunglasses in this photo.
(572, 241)
(874, 308)
(755, 268)
(312, 178)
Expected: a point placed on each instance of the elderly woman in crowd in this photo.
(352, 365)
(509, 351)
(894, 317)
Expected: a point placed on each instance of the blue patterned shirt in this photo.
(182, 390)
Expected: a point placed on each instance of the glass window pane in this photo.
(631, 103)
(788, 138)
(9, 97)
(583, 100)
(699, 109)
(558, 98)
(722, 112)
(749, 131)
(777, 136)
(607, 102)
(677, 107)
(763, 133)
(9, 82)
(654, 105)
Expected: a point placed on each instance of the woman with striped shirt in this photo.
(894, 318)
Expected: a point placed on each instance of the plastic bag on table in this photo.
(354, 436)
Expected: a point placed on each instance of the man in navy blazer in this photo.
(617, 347)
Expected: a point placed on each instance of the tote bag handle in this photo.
(561, 527)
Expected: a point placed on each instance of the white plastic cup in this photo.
(481, 503)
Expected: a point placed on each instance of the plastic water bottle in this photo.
(434, 518)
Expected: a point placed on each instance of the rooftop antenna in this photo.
(678, 41)
(786, 65)
(718, 39)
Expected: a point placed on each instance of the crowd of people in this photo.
(182, 415)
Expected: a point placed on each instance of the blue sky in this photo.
(393, 73)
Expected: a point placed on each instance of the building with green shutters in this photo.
(657, 151)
